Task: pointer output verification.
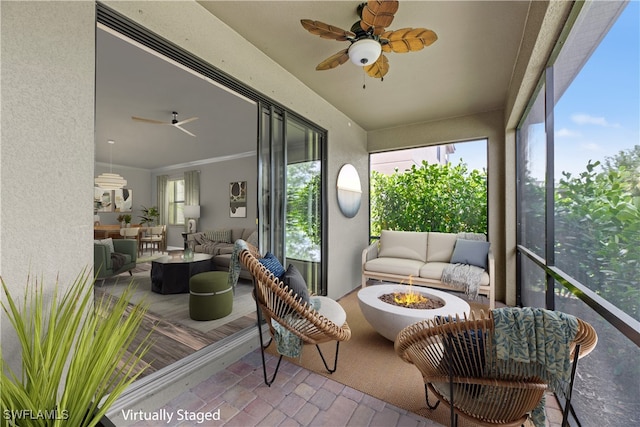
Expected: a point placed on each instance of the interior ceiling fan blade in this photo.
(378, 14)
(407, 40)
(379, 68)
(182, 122)
(156, 122)
(326, 31)
(182, 129)
(334, 60)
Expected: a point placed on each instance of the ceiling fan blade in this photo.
(183, 129)
(407, 40)
(378, 14)
(156, 122)
(326, 31)
(379, 68)
(182, 122)
(334, 60)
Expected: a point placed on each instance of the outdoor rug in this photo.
(368, 363)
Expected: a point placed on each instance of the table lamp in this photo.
(192, 212)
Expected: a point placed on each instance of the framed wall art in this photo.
(102, 200)
(123, 199)
(238, 199)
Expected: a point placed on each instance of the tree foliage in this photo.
(304, 213)
(431, 197)
(598, 228)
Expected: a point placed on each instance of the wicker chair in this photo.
(454, 356)
(275, 301)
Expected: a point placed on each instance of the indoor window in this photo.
(176, 201)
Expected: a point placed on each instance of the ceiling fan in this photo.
(174, 122)
(369, 38)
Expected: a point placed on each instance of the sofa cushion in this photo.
(433, 271)
(403, 244)
(472, 252)
(440, 247)
(330, 309)
(402, 266)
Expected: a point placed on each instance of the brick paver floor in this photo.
(237, 396)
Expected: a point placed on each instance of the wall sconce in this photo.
(349, 190)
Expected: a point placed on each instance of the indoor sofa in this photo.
(105, 265)
(220, 242)
(421, 258)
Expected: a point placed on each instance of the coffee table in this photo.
(388, 319)
(171, 274)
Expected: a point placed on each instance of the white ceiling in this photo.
(466, 71)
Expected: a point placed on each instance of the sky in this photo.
(599, 113)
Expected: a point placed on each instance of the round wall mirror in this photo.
(349, 191)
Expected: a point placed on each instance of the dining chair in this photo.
(131, 233)
(153, 238)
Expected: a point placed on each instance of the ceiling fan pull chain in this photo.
(364, 79)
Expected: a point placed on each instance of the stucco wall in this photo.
(191, 27)
(46, 146)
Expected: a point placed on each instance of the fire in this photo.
(409, 297)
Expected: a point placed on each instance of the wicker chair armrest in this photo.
(586, 337)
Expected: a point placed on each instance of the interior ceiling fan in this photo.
(174, 122)
(369, 38)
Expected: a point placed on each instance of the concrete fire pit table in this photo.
(389, 319)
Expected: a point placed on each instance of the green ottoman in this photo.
(210, 297)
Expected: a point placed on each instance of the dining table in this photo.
(110, 230)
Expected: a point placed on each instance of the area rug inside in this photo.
(175, 306)
(368, 363)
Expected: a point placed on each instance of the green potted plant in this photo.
(77, 358)
(127, 220)
(120, 219)
(149, 215)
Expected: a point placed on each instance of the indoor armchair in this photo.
(106, 265)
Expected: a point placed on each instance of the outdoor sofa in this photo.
(421, 258)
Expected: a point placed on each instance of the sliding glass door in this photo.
(291, 208)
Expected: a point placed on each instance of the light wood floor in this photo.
(173, 333)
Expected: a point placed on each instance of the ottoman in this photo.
(210, 296)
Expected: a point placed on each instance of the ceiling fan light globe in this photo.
(364, 52)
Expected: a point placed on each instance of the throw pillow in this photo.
(108, 243)
(223, 236)
(272, 264)
(472, 252)
(468, 356)
(253, 239)
(294, 280)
